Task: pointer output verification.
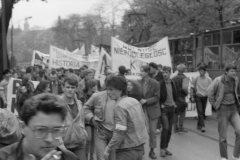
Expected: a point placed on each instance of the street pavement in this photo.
(195, 145)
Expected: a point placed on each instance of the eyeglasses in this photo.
(42, 132)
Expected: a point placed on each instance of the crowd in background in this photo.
(113, 120)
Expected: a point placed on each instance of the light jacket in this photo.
(76, 134)
(216, 91)
(97, 109)
(130, 125)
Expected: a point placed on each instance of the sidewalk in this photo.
(211, 129)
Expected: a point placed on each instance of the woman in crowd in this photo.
(133, 89)
(25, 91)
(88, 75)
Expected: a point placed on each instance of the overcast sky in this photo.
(45, 14)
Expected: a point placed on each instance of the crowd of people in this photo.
(70, 115)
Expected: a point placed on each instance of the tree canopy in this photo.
(176, 17)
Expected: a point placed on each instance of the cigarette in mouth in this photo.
(56, 157)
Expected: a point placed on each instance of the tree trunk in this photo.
(4, 61)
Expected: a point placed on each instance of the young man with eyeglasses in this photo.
(44, 126)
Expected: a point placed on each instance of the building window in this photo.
(196, 42)
(227, 37)
(207, 40)
(199, 41)
(236, 36)
(216, 38)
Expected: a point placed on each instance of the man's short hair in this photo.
(46, 103)
(86, 72)
(181, 67)
(230, 66)
(167, 69)
(71, 79)
(90, 84)
(29, 69)
(153, 65)
(122, 69)
(117, 82)
(83, 67)
(71, 70)
(160, 66)
(145, 68)
(202, 68)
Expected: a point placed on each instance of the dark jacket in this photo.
(137, 96)
(181, 94)
(15, 152)
(178, 80)
(163, 89)
(152, 95)
(158, 77)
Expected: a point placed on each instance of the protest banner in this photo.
(92, 64)
(40, 59)
(62, 58)
(94, 55)
(80, 52)
(24, 64)
(104, 61)
(134, 57)
(12, 93)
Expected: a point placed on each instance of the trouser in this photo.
(152, 132)
(135, 153)
(179, 119)
(201, 103)
(102, 138)
(226, 114)
(90, 142)
(167, 118)
(159, 124)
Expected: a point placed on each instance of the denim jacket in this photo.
(130, 125)
(76, 134)
(95, 106)
(216, 91)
